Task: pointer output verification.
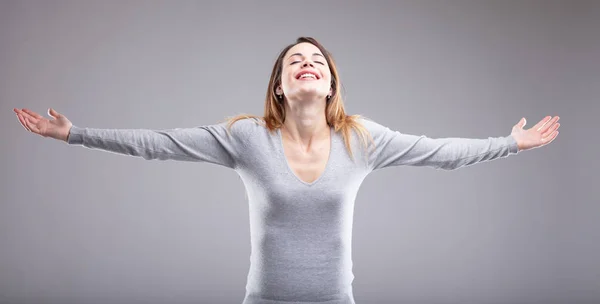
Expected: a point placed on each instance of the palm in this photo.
(543, 133)
(57, 128)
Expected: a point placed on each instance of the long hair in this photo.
(274, 111)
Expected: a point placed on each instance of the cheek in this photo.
(327, 77)
(285, 81)
(327, 82)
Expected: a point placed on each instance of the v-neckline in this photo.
(287, 164)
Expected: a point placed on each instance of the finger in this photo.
(541, 123)
(29, 124)
(33, 127)
(549, 139)
(549, 131)
(547, 125)
(25, 114)
(33, 114)
(22, 121)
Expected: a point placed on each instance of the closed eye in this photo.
(319, 62)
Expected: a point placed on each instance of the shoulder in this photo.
(372, 126)
(245, 128)
(244, 123)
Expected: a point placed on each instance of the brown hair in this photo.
(274, 111)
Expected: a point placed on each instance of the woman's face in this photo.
(305, 73)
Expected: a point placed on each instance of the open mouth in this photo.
(307, 75)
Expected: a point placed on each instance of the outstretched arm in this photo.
(393, 148)
(209, 143)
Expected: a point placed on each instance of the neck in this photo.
(305, 120)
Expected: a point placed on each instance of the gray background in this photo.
(83, 226)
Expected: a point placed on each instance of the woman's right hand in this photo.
(57, 128)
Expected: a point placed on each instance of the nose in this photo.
(307, 62)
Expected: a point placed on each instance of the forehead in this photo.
(303, 48)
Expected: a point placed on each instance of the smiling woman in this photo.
(298, 165)
(287, 93)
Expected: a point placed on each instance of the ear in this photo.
(331, 92)
(279, 91)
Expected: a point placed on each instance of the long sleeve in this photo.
(393, 148)
(209, 143)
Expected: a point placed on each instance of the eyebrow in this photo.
(299, 54)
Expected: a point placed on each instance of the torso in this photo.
(300, 207)
(308, 166)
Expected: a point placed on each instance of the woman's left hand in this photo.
(543, 133)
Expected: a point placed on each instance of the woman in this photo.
(302, 168)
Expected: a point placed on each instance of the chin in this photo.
(310, 93)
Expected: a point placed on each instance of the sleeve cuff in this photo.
(513, 147)
(75, 136)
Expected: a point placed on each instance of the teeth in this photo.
(307, 75)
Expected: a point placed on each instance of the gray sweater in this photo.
(300, 232)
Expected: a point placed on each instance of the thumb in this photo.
(522, 122)
(53, 113)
